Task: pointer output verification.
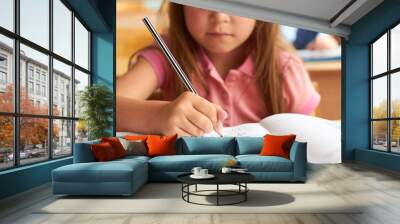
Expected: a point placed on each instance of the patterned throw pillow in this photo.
(134, 147)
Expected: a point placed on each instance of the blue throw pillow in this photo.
(249, 145)
(206, 145)
(83, 152)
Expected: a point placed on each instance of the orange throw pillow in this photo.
(275, 145)
(161, 145)
(116, 145)
(103, 151)
(136, 137)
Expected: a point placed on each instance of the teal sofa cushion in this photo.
(93, 172)
(118, 177)
(298, 155)
(249, 145)
(132, 158)
(185, 163)
(117, 170)
(206, 145)
(257, 163)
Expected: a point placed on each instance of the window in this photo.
(40, 63)
(62, 74)
(55, 102)
(47, 76)
(7, 14)
(62, 137)
(3, 81)
(385, 94)
(34, 22)
(6, 89)
(37, 89)
(33, 149)
(43, 77)
(81, 45)
(3, 61)
(30, 72)
(3, 78)
(7, 142)
(3, 72)
(37, 75)
(44, 91)
(81, 81)
(62, 31)
(30, 87)
(395, 47)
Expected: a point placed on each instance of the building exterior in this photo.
(34, 79)
(5, 66)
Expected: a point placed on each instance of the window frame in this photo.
(388, 74)
(16, 115)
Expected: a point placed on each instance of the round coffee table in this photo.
(238, 179)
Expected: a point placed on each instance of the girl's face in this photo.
(217, 32)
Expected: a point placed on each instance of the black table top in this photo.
(220, 178)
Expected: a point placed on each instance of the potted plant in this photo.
(96, 102)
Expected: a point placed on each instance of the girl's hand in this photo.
(189, 115)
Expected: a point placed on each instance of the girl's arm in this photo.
(133, 112)
(188, 114)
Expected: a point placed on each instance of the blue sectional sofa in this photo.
(125, 176)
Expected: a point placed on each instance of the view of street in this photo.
(32, 156)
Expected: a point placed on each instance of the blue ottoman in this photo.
(118, 177)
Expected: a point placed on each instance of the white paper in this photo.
(248, 130)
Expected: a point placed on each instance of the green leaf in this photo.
(96, 102)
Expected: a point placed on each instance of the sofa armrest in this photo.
(83, 152)
(298, 155)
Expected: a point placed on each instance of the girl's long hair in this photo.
(267, 39)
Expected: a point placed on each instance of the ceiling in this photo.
(321, 9)
(327, 16)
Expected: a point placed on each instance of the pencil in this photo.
(171, 59)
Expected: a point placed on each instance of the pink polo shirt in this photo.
(237, 93)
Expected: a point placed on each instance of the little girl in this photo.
(241, 68)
